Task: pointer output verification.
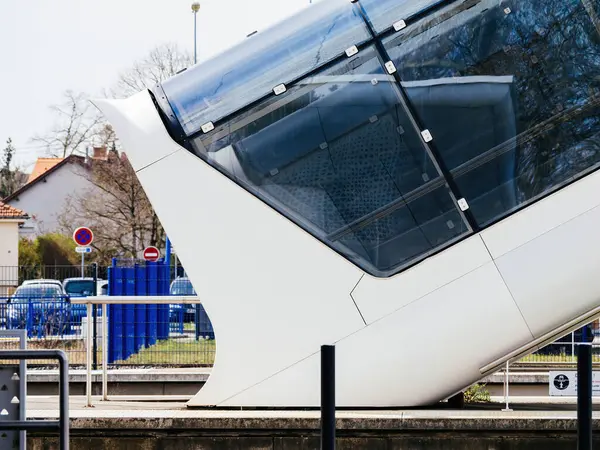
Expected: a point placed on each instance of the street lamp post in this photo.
(195, 9)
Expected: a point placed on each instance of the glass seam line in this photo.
(412, 116)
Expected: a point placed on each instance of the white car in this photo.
(44, 282)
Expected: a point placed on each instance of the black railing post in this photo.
(584, 396)
(63, 398)
(327, 397)
(62, 424)
(95, 318)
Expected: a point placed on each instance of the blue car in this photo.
(183, 286)
(81, 287)
(42, 309)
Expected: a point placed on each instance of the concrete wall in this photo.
(45, 200)
(186, 439)
(9, 255)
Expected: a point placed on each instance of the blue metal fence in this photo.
(134, 327)
(41, 317)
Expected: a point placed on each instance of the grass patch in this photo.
(172, 352)
(175, 352)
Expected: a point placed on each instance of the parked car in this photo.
(43, 281)
(81, 287)
(183, 286)
(40, 308)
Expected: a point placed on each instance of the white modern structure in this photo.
(412, 181)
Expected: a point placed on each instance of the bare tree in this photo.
(161, 63)
(77, 122)
(116, 208)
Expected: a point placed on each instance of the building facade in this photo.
(53, 183)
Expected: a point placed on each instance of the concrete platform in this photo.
(170, 425)
(186, 382)
(130, 382)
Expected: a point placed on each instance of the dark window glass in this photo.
(79, 287)
(337, 154)
(247, 72)
(384, 13)
(510, 91)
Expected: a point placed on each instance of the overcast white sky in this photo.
(49, 46)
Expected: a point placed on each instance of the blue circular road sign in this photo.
(83, 236)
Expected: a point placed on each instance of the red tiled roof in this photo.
(10, 212)
(42, 165)
(52, 168)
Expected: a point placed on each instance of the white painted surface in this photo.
(556, 277)
(273, 293)
(9, 255)
(144, 129)
(543, 216)
(377, 297)
(45, 201)
(418, 355)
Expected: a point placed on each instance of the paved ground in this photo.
(196, 374)
(535, 407)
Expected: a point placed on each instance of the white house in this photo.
(51, 184)
(10, 220)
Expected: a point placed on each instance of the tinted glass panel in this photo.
(384, 13)
(337, 154)
(219, 87)
(510, 91)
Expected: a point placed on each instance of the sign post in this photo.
(83, 237)
(151, 254)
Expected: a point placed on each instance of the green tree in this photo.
(8, 179)
(29, 254)
(57, 249)
(51, 249)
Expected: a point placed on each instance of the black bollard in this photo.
(95, 319)
(584, 396)
(327, 397)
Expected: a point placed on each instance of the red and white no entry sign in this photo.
(83, 236)
(151, 254)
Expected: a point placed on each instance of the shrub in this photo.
(477, 394)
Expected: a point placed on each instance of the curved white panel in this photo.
(555, 277)
(273, 292)
(420, 354)
(377, 297)
(543, 216)
(139, 127)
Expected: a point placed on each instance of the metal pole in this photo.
(82, 264)
(327, 397)
(95, 317)
(195, 40)
(64, 400)
(105, 353)
(88, 377)
(584, 396)
(168, 254)
(506, 391)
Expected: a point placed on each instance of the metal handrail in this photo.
(62, 424)
(118, 300)
(137, 299)
(542, 341)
